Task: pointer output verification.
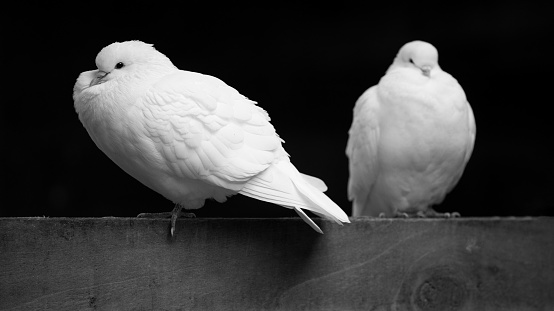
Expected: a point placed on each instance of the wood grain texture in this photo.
(276, 264)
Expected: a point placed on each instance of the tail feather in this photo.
(282, 184)
(316, 182)
(326, 206)
(270, 196)
(307, 219)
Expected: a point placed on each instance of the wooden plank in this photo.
(276, 264)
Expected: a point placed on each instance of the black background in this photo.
(306, 65)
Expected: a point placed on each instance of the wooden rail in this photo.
(276, 264)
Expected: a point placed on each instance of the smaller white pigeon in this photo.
(411, 138)
(189, 136)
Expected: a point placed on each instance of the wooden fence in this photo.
(276, 264)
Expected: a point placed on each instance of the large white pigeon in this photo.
(189, 136)
(411, 138)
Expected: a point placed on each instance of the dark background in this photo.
(306, 66)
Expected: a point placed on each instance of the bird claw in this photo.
(434, 214)
(173, 215)
(453, 215)
(176, 213)
(164, 215)
(401, 215)
(154, 215)
(423, 214)
(395, 215)
(447, 215)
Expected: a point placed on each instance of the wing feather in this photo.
(362, 150)
(211, 131)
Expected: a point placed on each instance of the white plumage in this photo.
(189, 136)
(411, 137)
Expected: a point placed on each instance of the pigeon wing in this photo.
(206, 130)
(362, 150)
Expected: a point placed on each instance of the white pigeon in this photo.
(189, 136)
(411, 138)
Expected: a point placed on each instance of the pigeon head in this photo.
(418, 54)
(125, 58)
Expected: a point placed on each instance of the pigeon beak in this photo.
(98, 79)
(426, 70)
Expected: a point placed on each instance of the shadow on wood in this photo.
(254, 264)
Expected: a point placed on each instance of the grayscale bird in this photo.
(411, 138)
(189, 136)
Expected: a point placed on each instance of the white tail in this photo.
(283, 185)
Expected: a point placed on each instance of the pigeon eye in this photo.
(411, 61)
(119, 65)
